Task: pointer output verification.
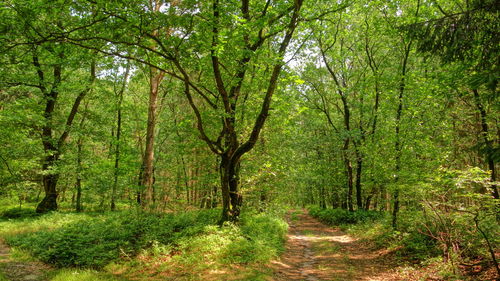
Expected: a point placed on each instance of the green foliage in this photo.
(342, 216)
(95, 242)
(82, 275)
(408, 241)
(454, 219)
(457, 214)
(252, 242)
(416, 246)
(262, 238)
(325, 126)
(16, 213)
(46, 222)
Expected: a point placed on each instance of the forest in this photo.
(249, 140)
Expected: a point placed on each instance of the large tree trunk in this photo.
(147, 175)
(232, 150)
(52, 145)
(231, 199)
(155, 78)
(49, 179)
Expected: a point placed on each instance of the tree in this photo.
(119, 96)
(48, 62)
(470, 37)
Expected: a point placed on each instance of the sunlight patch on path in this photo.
(336, 238)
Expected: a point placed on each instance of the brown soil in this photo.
(20, 271)
(315, 251)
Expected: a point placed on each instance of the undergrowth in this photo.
(376, 227)
(419, 240)
(83, 275)
(18, 212)
(133, 241)
(2, 277)
(342, 216)
(101, 238)
(255, 240)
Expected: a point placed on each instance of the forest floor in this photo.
(315, 251)
(20, 270)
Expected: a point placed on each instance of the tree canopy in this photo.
(168, 105)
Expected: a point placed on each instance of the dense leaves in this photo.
(356, 108)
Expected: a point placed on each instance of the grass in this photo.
(55, 220)
(294, 215)
(325, 248)
(82, 275)
(376, 227)
(2, 277)
(21, 255)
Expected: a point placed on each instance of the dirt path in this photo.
(20, 271)
(315, 251)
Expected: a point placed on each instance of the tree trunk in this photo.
(322, 199)
(231, 199)
(214, 197)
(487, 142)
(79, 176)
(117, 156)
(369, 198)
(138, 194)
(52, 146)
(118, 135)
(399, 113)
(147, 176)
(359, 169)
(349, 175)
(397, 144)
(49, 179)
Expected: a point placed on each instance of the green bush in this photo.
(418, 246)
(16, 213)
(262, 238)
(93, 240)
(341, 216)
(94, 243)
(458, 213)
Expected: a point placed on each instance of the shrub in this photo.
(16, 213)
(459, 214)
(94, 243)
(342, 216)
(193, 238)
(262, 238)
